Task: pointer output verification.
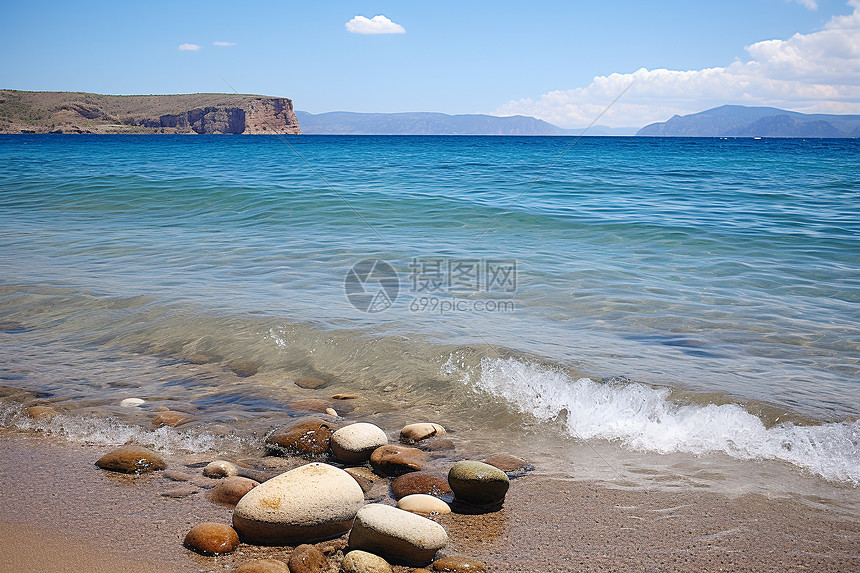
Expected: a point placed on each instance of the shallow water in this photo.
(709, 288)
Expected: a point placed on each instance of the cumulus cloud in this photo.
(188, 47)
(817, 72)
(376, 25)
(811, 4)
(224, 44)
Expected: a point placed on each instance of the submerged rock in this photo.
(511, 465)
(417, 432)
(396, 534)
(310, 382)
(315, 501)
(395, 459)
(307, 437)
(220, 469)
(420, 482)
(359, 561)
(179, 492)
(310, 405)
(131, 460)
(42, 412)
(263, 566)
(171, 418)
(457, 564)
(307, 559)
(477, 483)
(354, 443)
(230, 490)
(132, 402)
(210, 538)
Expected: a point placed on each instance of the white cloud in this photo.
(811, 4)
(188, 47)
(817, 72)
(376, 25)
(224, 44)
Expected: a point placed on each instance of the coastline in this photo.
(52, 488)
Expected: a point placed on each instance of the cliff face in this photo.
(71, 112)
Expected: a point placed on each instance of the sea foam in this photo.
(642, 417)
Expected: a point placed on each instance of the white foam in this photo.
(641, 418)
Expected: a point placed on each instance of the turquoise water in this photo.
(701, 271)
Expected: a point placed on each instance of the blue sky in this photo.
(564, 61)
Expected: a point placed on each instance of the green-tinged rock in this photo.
(477, 483)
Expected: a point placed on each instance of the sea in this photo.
(647, 312)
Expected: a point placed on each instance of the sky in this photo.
(565, 61)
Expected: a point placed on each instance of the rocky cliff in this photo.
(78, 112)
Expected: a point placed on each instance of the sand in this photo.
(61, 513)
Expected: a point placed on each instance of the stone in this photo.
(230, 490)
(220, 468)
(309, 405)
(457, 564)
(244, 369)
(131, 460)
(438, 445)
(345, 396)
(263, 566)
(511, 465)
(313, 502)
(307, 559)
(332, 546)
(132, 402)
(423, 504)
(200, 358)
(395, 459)
(420, 482)
(310, 382)
(179, 492)
(41, 412)
(477, 483)
(359, 561)
(171, 418)
(396, 534)
(354, 443)
(306, 437)
(177, 475)
(331, 412)
(210, 538)
(417, 432)
(12, 326)
(365, 478)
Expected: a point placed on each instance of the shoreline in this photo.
(51, 486)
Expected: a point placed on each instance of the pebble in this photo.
(345, 396)
(457, 564)
(210, 538)
(244, 369)
(171, 418)
(131, 460)
(354, 443)
(420, 482)
(395, 459)
(438, 445)
(41, 412)
(177, 475)
(359, 561)
(477, 483)
(331, 412)
(307, 559)
(417, 432)
(311, 382)
(309, 405)
(423, 504)
(307, 437)
(315, 501)
(179, 492)
(132, 402)
(396, 534)
(200, 358)
(11, 326)
(220, 469)
(511, 465)
(230, 490)
(263, 566)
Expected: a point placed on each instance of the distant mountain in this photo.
(742, 121)
(421, 123)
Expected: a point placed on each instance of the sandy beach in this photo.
(88, 519)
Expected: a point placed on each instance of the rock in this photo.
(395, 459)
(345, 396)
(306, 437)
(309, 405)
(220, 469)
(311, 382)
(210, 538)
(315, 501)
(263, 566)
(131, 460)
(307, 559)
(177, 476)
(511, 465)
(396, 534)
(417, 432)
(365, 478)
(230, 490)
(457, 564)
(354, 443)
(359, 561)
(477, 483)
(244, 369)
(171, 418)
(200, 358)
(12, 326)
(179, 492)
(332, 546)
(438, 445)
(331, 412)
(420, 482)
(423, 504)
(41, 412)
(132, 402)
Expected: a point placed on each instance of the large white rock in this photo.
(396, 534)
(312, 502)
(355, 443)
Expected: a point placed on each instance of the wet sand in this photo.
(60, 513)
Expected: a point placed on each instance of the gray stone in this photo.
(396, 534)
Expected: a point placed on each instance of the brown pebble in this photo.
(364, 477)
(244, 369)
(230, 490)
(332, 546)
(310, 382)
(511, 465)
(394, 459)
(177, 475)
(307, 559)
(131, 460)
(179, 492)
(11, 326)
(438, 445)
(210, 538)
(200, 358)
(307, 437)
(345, 396)
(41, 412)
(420, 482)
(263, 566)
(309, 405)
(171, 418)
(457, 564)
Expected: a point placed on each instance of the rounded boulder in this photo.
(359, 561)
(396, 534)
(423, 504)
(308, 437)
(422, 431)
(354, 443)
(212, 538)
(131, 460)
(477, 483)
(395, 459)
